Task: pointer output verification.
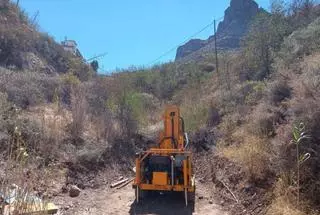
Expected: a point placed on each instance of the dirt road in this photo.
(106, 201)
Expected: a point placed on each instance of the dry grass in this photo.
(284, 202)
(23, 182)
(252, 153)
(79, 108)
(262, 121)
(282, 206)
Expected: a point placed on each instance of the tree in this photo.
(278, 7)
(95, 65)
(264, 39)
(302, 12)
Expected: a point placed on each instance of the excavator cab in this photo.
(167, 167)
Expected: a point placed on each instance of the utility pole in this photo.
(17, 5)
(228, 76)
(35, 18)
(216, 50)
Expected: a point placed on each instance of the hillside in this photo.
(253, 127)
(23, 47)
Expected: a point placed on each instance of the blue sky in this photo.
(132, 32)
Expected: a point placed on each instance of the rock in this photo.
(210, 67)
(13, 186)
(189, 47)
(249, 188)
(210, 202)
(234, 26)
(200, 197)
(81, 186)
(74, 191)
(64, 189)
(30, 61)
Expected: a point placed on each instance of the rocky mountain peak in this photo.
(243, 4)
(234, 26)
(238, 16)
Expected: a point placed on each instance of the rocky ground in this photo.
(106, 200)
(221, 188)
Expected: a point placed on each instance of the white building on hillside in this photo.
(71, 46)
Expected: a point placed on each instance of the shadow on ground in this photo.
(162, 204)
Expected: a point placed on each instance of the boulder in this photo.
(74, 191)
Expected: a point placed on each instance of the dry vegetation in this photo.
(68, 118)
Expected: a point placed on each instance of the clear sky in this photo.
(133, 32)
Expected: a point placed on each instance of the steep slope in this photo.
(234, 26)
(24, 47)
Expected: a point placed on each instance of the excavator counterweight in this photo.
(167, 167)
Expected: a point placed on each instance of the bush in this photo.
(302, 12)
(264, 38)
(146, 81)
(3, 105)
(78, 68)
(287, 186)
(255, 92)
(228, 125)
(52, 52)
(13, 42)
(300, 43)
(262, 121)
(278, 91)
(127, 122)
(309, 172)
(78, 110)
(26, 89)
(283, 205)
(213, 116)
(4, 118)
(90, 159)
(195, 115)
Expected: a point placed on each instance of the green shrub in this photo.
(263, 40)
(196, 116)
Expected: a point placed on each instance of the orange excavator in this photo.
(167, 167)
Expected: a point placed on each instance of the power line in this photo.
(97, 56)
(189, 38)
(215, 37)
